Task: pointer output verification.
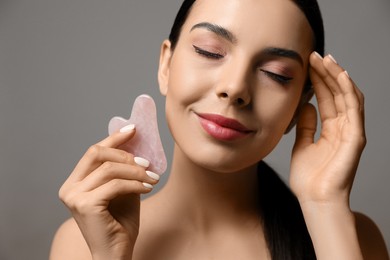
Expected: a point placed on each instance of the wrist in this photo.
(110, 254)
(332, 228)
(339, 204)
(328, 211)
(336, 212)
(324, 199)
(105, 257)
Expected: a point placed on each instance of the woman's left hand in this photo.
(323, 170)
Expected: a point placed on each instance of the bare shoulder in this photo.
(69, 243)
(370, 238)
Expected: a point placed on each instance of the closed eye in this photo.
(277, 77)
(207, 54)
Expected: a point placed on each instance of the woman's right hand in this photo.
(103, 195)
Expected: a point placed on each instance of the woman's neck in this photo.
(207, 198)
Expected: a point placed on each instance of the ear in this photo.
(164, 66)
(305, 98)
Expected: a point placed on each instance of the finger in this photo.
(353, 103)
(358, 93)
(325, 99)
(348, 89)
(96, 154)
(360, 96)
(306, 127)
(318, 64)
(361, 102)
(103, 195)
(116, 139)
(333, 68)
(94, 157)
(109, 171)
(353, 97)
(118, 187)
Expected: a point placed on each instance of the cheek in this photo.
(274, 114)
(276, 108)
(187, 82)
(185, 87)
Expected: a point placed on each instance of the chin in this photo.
(222, 160)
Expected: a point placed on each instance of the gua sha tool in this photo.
(146, 142)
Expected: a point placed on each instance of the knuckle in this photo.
(68, 199)
(126, 186)
(82, 205)
(116, 184)
(360, 142)
(140, 173)
(65, 193)
(76, 202)
(327, 61)
(93, 152)
(71, 204)
(107, 166)
(62, 194)
(363, 142)
(126, 157)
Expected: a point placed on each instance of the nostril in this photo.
(236, 100)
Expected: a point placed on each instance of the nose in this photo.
(234, 85)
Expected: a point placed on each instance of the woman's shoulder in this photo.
(371, 241)
(69, 243)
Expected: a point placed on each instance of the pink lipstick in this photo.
(223, 128)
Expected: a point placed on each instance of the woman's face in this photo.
(234, 79)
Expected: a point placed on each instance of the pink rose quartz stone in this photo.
(146, 142)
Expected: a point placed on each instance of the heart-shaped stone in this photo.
(146, 142)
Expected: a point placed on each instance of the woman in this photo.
(235, 77)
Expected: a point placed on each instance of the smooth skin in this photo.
(208, 208)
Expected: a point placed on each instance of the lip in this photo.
(222, 128)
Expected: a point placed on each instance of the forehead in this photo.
(272, 22)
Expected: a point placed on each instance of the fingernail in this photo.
(127, 128)
(346, 73)
(147, 185)
(333, 59)
(318, 55)
(153, 175)
(141, 162)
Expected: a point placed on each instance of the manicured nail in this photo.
(147, 185)
(333, 59)
(318, 55)
(127, 129)
(141, 162)
(153, 175)
(346, 73)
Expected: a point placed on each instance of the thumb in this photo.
(306, 126)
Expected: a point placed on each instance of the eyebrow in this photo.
(285, 53)
(217, 29)
(228, 35)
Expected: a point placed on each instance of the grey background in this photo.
(67, 67)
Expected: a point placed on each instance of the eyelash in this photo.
(207, 54)
(274, 76)
(277, 77)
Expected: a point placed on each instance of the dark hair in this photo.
(283, 223)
